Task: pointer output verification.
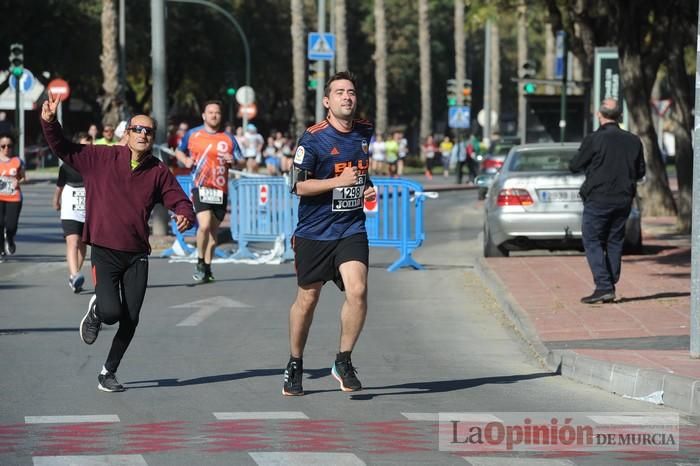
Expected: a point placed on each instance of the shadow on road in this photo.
(247, 374)
(670, 294)
(443, 386)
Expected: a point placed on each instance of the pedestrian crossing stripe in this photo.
(102, 460)
(238, 416)
(70, 419)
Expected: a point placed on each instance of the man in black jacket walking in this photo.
(613, 160)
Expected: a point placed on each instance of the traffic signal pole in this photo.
(320, 64)
(695, 240)
(562, 118)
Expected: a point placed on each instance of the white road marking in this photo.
(207, 307)
(420, 416)
(70, 419)
(284, 458)
(642, 419)
(105, 460)
(468, 417)
(237, 416)
(505, 461)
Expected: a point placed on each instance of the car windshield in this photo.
(542, 160)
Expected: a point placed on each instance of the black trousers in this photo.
(603, 230)
(120, 284)
(9, 218)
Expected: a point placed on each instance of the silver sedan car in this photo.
(534, 203)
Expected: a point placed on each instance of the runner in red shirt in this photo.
(11, 175)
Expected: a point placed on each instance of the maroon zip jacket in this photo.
(118, 199)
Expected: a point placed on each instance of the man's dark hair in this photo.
(336, 77)
(610, 112)
(212, 102)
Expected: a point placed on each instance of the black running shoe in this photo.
(78, 282)
(109, 383)
(292, 379)
(90, 325)
(10, 246)
(346, 374)
(199, 274)
(208, 278)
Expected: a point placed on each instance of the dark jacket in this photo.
(118, 200)
(613, 160)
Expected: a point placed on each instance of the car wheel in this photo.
(490, 249)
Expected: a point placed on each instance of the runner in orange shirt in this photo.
(210, 152)
(11, 175)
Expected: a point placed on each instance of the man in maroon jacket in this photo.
(122, 185)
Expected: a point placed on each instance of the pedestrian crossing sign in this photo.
(321, 46)
(459, 117)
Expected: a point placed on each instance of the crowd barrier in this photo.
(264, 210)
(186, 185)
(397, 221)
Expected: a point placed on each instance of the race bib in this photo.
(73, 204)
(6, 185)
(349, 198)
(211, 195)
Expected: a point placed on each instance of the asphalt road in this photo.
(204, 371)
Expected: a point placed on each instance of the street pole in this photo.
(122, 54)
(160, 83)
(565, 72)
(160, 102)
(20, 127)
(320, 64)
(695, 244)
(487, 86)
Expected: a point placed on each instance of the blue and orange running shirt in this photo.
(324, 152)
(209, 170)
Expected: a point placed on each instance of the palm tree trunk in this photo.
(380, 65)
(110, 64)
(460, 67)
(341, 39)
(426, 115)
(495, 74)
(298, 62)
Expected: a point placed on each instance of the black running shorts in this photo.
(72, 227)
(219, 210)
(319, 261)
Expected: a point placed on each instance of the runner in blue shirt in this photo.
(330, 175)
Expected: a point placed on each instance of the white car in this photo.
(534, 203)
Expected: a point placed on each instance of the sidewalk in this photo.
(636, 346)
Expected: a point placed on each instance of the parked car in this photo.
(534, 203)
(492, 162)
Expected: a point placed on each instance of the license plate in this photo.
(558, 195)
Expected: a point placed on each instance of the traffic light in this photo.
(452, 90)
(312, 82)
(231, 91)
(529, 88)
(467, 91)
(529, 69)
(17, 59)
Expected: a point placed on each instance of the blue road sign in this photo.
(321, 46)
(459, 117)
(26, 81)
(559, 61)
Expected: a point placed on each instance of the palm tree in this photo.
(460, 68)
(341, 39)
(380, 65)
(426, 114)
(298, 61)
(110, 65)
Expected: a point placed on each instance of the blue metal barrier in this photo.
(185, 182)
(396, 224)
(262, 210)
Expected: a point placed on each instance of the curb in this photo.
(679, 392)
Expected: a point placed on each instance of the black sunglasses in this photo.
(5, 146)
(147, 130)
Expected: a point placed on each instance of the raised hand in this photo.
(50, 107)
